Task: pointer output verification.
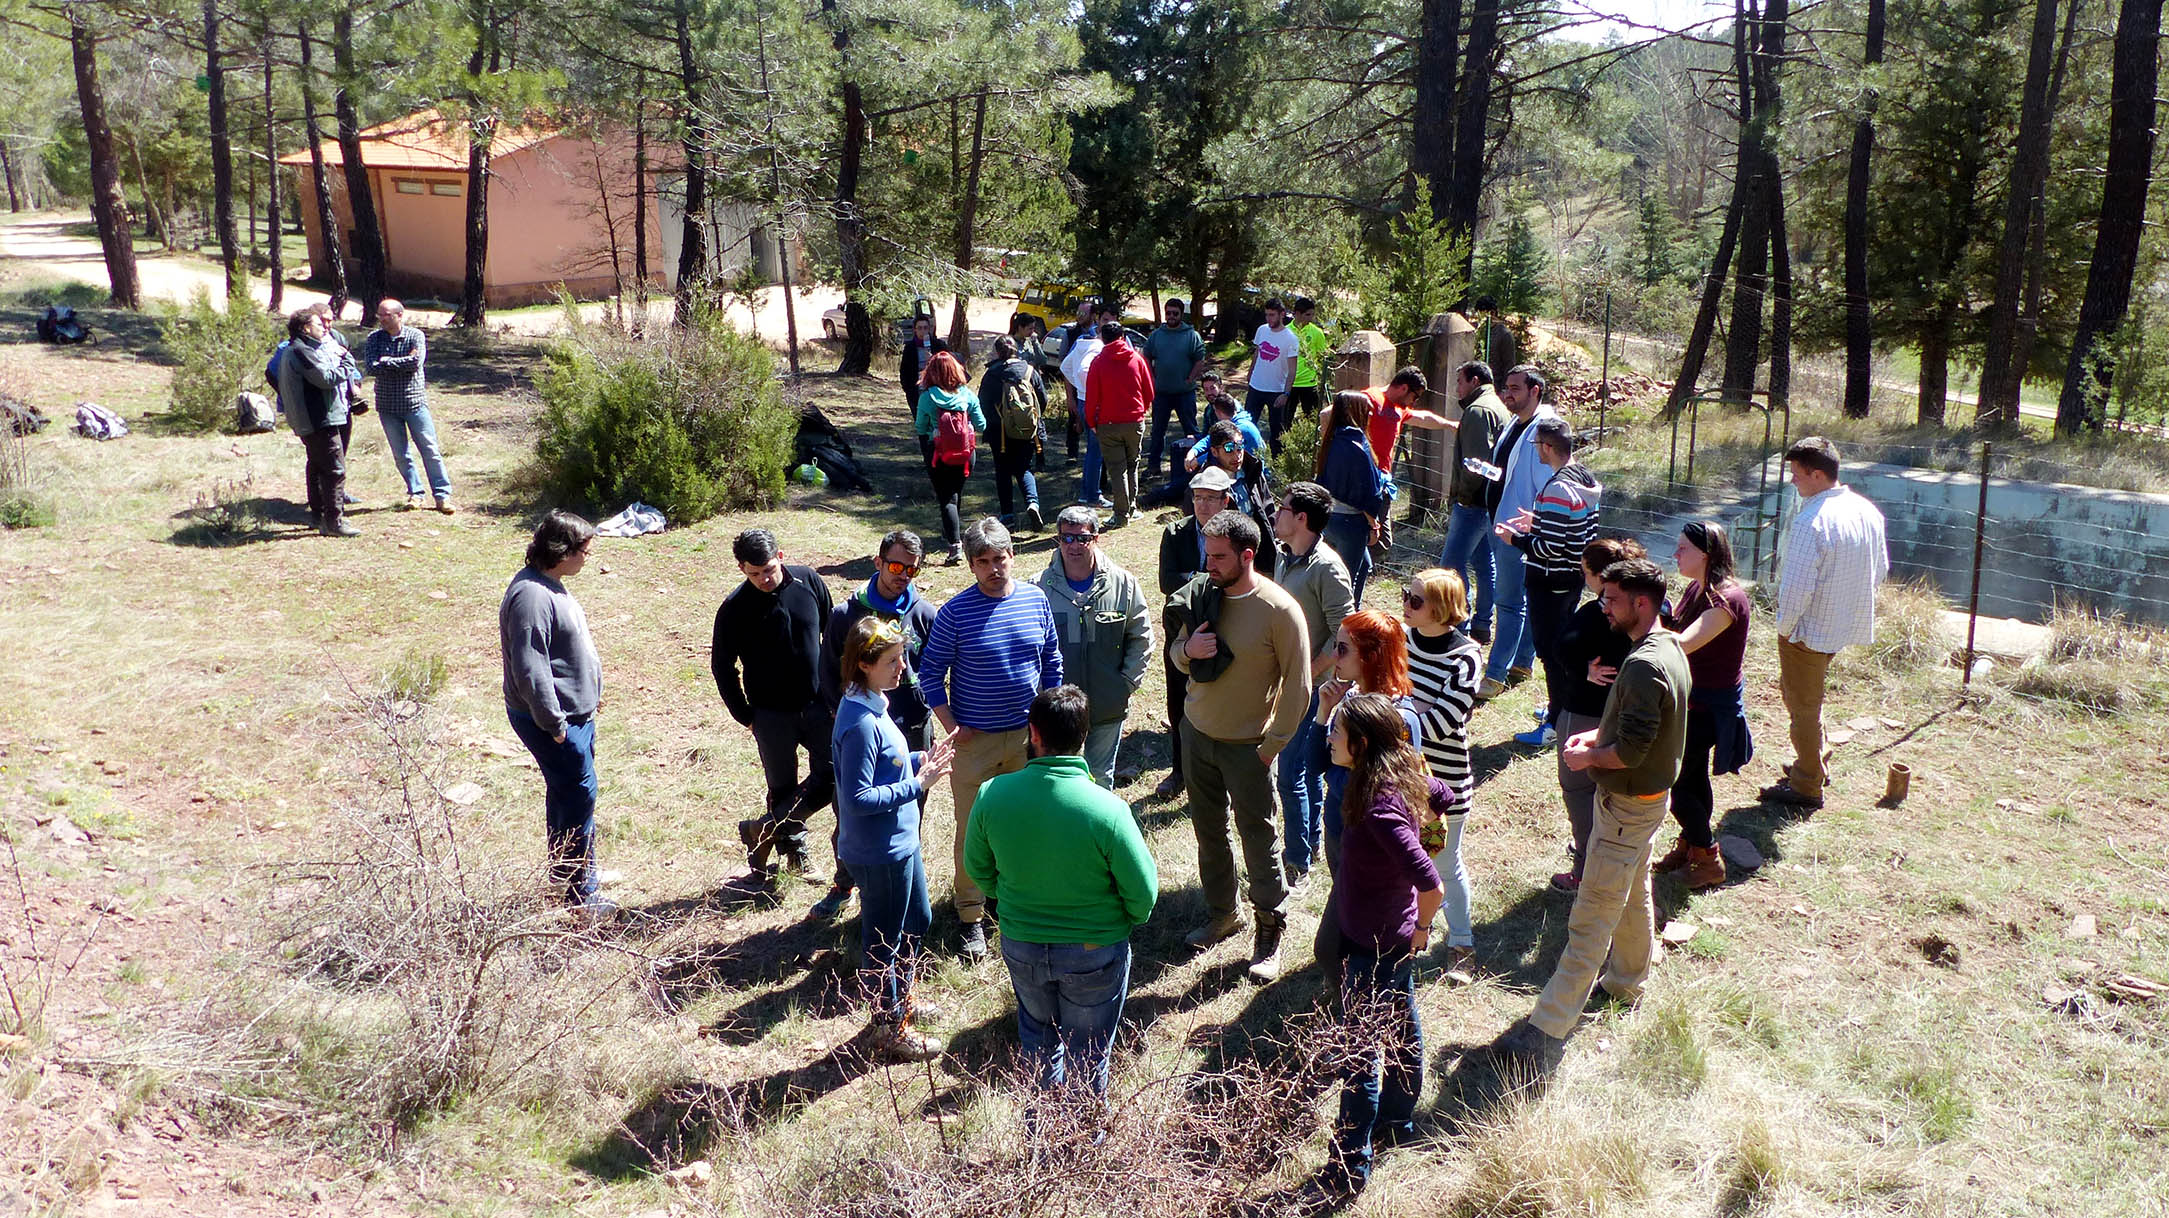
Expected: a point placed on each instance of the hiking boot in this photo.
(1489, 688)
(1170, 786)
(1526, 1046)
(413, 504)
(953, 557)
(796, 863)
(1705, 868)
(445, 506)
(1567, 882)
(1032, 519)
(757, 842)
(1461, 965)
(900, 1042)
(1482, 635)
(827, 908)
(1674, 859)
(338, 526)
(972, 943)
(1517, 674)
(1783, 792)
(1265, 956)
(1214, 931)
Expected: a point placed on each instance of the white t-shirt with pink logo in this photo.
(1275, 364)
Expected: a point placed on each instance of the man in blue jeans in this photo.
(394, 354)
(1065, 858)
(1521, 474)
(1467, 551)
(1312, 573)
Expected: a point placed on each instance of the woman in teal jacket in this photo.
(943, 392)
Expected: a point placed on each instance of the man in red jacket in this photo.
(1118, 395)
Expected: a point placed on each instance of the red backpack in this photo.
(954, 439)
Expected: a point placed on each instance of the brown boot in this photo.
(1672, 861)
(1705, 868)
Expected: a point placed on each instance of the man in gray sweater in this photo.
(553, 682)
(1634, 754)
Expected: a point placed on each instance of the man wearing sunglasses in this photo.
(1099, 615)
(770, 626)
(891, 596)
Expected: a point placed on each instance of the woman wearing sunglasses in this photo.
(879, 783)
(1444, 667)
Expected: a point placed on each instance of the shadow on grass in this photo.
(242, 522)
(685, 1120)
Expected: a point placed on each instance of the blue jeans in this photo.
(1088, 470)
(1468, 545)
(568, 799)
(1378, 991)
(1101, 745)
(402, 425)
(1454, 880)
(894, 912)
(1301, 775)
(1513, 644)
(1182, 404)
(1349, 533)
(1069, 1000)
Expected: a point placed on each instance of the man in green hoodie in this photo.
(1066, 860)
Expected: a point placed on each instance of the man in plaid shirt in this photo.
(393, 353)
(1834, 561)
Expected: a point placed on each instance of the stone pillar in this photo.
(1365, 359)
(1426, 473)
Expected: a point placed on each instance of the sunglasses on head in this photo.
(1073, 539)
(900, 568)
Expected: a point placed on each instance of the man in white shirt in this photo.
(1084, 347)
(1833, 562)
(1272, 370)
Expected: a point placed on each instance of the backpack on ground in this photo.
(60, 325)
(252, 414)
(1020, 412)
(954, 439)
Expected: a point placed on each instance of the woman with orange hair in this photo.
(1370, 656)
(948, 424)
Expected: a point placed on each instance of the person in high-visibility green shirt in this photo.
(1311, 344)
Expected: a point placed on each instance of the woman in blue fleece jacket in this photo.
(879, 783)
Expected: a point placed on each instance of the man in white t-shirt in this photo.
(1272, 369)
(1084, 346)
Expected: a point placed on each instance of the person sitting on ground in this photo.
(1389, 895)
(880, 786)
(1591, 652)
(1066, 860)
(1712, 623)
(1444, 665)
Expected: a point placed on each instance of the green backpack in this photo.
(1020, 412)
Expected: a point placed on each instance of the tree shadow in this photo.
(685, 1120)
(242, 522)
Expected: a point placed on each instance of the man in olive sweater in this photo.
(1634, 754)
(1066, 860)
(1246, 650)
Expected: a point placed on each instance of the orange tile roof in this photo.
(425, 139)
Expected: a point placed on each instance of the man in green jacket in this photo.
(1099, 617)
(1071, 870)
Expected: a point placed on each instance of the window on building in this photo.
(449, 190)
(406, 186)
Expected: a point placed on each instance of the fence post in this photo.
(1604, 375)
(1973, 600)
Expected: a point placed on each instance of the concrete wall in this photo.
(2105, 550)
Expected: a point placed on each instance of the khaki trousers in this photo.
(1612, 913)
(1801, 674)
(982, 756)
(1218, 775)
(1119, 447)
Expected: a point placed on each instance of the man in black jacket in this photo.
(771, 626)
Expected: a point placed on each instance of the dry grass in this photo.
(1816, 1064)
(1909, 631)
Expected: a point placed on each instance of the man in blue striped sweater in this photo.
(1551, 535)
(992, 649)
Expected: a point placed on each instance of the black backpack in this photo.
(60, 325)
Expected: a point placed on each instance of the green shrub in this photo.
(1298, 459)
(230, 514)
(418, 676)
(688, 420)
(23, 503)
(220, 352)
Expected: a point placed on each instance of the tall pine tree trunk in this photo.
(274, 222)
(7, 168)
(481, 134)
(960, 331)
(1859, 316)
(1762, 207)
(327, 217)
(1744, 168)
(229, 238)
(361, 202)
(2134, 72)
(2001, 376)
(640, 205)
(693, 244)
(1470, 120)
(108, 202)
(1431, 127)
(2029, 317)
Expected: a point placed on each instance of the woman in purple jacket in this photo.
(1388, 894)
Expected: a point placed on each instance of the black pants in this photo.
(777, 736)
(948, 483)
(325, 471)
(1693, 803)
(1549, 611)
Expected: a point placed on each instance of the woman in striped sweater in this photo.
(1550, 535)
(1444, 666)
